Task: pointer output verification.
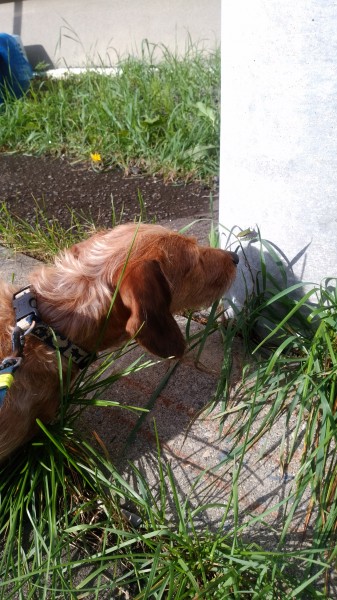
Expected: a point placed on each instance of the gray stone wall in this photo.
(279, 132)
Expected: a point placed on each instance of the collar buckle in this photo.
(24, 303)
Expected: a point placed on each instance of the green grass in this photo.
(293, 370)
(65, 534)
(41, 237)
(158, 114)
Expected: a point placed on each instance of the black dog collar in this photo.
(29, 321)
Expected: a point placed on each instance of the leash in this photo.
(28, 321)
(11, 363)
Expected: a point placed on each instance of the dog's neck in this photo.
(78, 314)
(28, 320)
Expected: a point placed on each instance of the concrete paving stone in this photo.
(194, 451)
(14, 267)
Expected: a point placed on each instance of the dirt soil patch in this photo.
(59, 186)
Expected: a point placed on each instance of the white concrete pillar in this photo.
(279, 131)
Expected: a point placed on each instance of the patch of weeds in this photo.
(66, 532)
(60, 499)
(41, 237)
(291, 371)
(159, 113)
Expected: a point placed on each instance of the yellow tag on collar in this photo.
(6, 380)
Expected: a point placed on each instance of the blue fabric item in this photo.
(15, 70)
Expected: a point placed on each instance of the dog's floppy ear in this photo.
(145, 291)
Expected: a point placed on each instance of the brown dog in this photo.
(123, 283)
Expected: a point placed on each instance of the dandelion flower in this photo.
(95, 157)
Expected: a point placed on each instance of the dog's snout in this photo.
(235, 258)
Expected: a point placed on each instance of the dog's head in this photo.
(149, 271)
(167, 273)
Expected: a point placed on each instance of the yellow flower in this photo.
(95, 157)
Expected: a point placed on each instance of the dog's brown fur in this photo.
(157, 272)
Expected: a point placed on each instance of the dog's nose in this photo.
(235, 258)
